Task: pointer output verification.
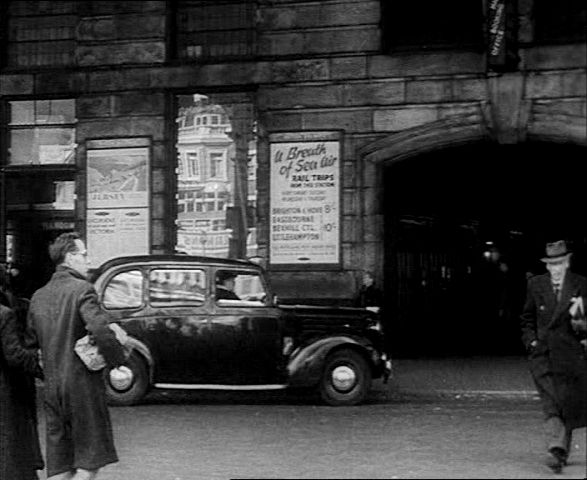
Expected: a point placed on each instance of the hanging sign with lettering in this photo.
(304, 219)
(496, 54)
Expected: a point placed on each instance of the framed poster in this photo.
(116, 232)
(304, 218)
(118, 177)
(118, 199)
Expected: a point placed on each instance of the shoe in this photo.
(557, 459)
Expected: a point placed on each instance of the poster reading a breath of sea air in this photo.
(305, 202)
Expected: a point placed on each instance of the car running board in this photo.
(184, 386)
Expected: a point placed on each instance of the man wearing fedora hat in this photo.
(225, 283)
(556, 356)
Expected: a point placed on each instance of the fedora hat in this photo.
(556, 251)
(224, 275)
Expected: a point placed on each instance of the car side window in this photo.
(240, 288)
(124, 290)
(177, 287)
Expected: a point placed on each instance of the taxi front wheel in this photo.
(129, 384)
(346, 379)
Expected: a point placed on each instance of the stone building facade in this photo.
(306, 66)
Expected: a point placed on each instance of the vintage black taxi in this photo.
(186, 332)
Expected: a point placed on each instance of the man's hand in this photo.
(577, 309)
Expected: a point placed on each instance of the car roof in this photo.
(170, 258)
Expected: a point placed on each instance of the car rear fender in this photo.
(143, 350)
(306, 363)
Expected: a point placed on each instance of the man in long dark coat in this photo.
(79, 432)
(556, 355)
(20, 452)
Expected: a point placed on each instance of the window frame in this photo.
(217, 157)
(224, 303)
(13, 12)
(108, 281)
(193, 165)
(193, 44)
(390, 43)
(177, 304)
(34, 126)
(548, 34)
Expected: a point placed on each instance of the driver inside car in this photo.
(225, 282)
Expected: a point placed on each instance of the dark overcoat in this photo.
(558, 363)
(79, 432)
(369, 296)
(20, 452)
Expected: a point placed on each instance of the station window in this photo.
(224, 185)
(215, 29)
(560, 21)
(40, 34)
(431, 25)
(41, 132)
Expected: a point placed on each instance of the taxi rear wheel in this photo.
(130, 390)
(346, 379)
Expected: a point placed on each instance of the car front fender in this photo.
(306, 363)
(143, 350)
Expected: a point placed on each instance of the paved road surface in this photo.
(192, 437)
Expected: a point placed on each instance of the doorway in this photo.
(464, 228)
(39, 205)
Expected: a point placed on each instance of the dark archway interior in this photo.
(465, 227)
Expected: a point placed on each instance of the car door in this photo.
(247, 332)
(179, 303)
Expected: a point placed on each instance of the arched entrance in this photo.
(463, 228)
(502, 170)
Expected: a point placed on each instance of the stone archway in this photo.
(507, 117)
